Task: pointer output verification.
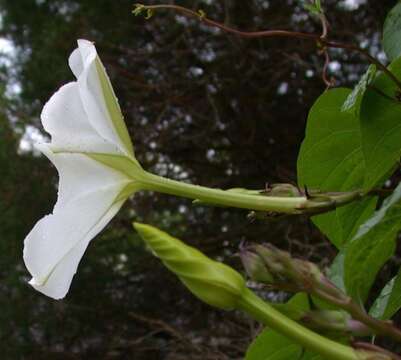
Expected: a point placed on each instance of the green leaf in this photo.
(311, 356)
(371, 247)
(392, 33)
(380, 304)
(331, 159)
(270, 345)
(353, 102)
(389, 300)
(295, 308)
(311, 8)
(336, 271)
(380, 116)
(315, 7)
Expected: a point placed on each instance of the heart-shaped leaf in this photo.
(331, 159)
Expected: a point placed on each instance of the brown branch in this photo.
(370, 58)
(325, 26)
(319, 39)
(374, 348)
(227, 29)
(386, 328)
(329, 82)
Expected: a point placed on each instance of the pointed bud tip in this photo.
(213, 282)
(139, 226)
(255, 267)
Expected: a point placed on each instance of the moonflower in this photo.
(92, 151)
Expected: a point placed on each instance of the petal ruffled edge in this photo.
(59, 280)
(90, 194)
(98, 97)
(65, 119)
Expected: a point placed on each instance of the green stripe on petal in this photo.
(113, 107)
(128, 190)
(128, 166)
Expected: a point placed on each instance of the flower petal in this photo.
(98, 97)
(80, 174)
(59, 280)
(65, 119)
(86, 202)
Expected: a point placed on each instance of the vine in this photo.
(361, 126)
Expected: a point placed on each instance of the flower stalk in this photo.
(297, 275)
(328, 349)
(301, 204)
(281, 198)
(334, 321)
(221, 286)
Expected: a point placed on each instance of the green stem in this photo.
(144, 180)
(261, 311)
(333, 295)
(385, 328)
(276, 204)
(225, 198)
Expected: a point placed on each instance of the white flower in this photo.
(93, 154)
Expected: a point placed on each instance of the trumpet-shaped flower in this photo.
(94, 156)
(92, 151)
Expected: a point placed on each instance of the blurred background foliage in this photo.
(201, 107)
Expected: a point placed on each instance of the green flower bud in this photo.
(275, 260)
(299, 275)
(338, 321)
(255, 267)
(213, 282)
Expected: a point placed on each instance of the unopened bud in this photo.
(328, 319)
(278, 262)
(255, 267)
(293, 274)
(337, 321)
(213, 282)
(358, 328)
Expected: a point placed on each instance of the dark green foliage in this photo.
(380, 128)
(371, 247)
(331, 159)
(392, 32)
(389, 300)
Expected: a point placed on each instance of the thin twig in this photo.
(371, 347)
(386, 328)
(329, 82)
(370, 58)
(325, 32)
(319, 39)
(325, 26)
